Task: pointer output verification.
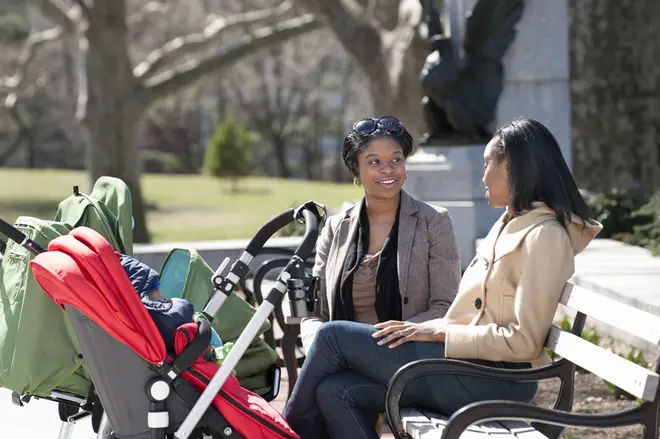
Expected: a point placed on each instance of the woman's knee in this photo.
(334, 330)
(349, 389)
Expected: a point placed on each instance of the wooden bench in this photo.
(506, 419)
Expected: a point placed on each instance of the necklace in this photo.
(381, 222)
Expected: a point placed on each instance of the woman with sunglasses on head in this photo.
(500, 317)
(390, 256)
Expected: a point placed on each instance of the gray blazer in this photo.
(428, 263)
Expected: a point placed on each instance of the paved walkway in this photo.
(36, 420)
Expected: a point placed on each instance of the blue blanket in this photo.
(168, 314)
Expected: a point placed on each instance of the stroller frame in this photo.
(168, 379)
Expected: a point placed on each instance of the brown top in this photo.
(364, 289)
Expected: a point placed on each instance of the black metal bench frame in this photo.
(549, 422)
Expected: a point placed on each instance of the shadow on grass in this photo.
(43, 209)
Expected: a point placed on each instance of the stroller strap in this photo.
(194, 348)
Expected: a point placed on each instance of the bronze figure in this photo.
(461, 93)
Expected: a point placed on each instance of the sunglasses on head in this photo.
(388, 123)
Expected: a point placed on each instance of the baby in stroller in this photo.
(167, 314)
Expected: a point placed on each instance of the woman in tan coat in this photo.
(501, 316)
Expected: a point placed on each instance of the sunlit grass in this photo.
(180, 207)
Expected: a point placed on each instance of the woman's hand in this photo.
(408, 331)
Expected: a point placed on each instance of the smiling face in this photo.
(496, 176)
(381, 168)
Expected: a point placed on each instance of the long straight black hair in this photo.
(538, 171)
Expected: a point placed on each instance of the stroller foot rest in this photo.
(77, 417)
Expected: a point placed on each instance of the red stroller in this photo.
(145, 391)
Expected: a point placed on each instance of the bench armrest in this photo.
(417, 369)
(509, 410)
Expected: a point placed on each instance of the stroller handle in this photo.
(309, 212)
(19, 237)
(267, 230)
(312, 222)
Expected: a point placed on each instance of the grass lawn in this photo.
(180, 207)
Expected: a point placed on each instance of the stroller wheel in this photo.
(66, 410)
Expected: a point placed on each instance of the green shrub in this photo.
(646, 232)
(229, 153)
(615, 210)
(160, 162)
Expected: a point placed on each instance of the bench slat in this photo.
(472, 432)
(425, 425)
(418, 426)
(614, 313)
(522, 430)
(631, 377)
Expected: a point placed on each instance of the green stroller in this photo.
(64, 378)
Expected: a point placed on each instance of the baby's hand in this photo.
(156, 295)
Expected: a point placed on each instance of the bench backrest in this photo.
(633, 378)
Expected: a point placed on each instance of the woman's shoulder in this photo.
(548, 236)
(431, 212)
(335, 218)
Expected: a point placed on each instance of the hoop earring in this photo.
(356, 182)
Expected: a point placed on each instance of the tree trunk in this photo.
(390, 59)
(113, 106)
(31, 145)
(615, 99)
(233, 185)
(279, 148)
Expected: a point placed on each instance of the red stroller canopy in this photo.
(82, 270)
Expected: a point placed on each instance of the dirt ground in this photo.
(592, 396)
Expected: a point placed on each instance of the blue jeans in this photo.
(344, 378)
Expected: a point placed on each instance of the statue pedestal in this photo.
(450, 177)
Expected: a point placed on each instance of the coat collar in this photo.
(506, 235)
(407, 225)
(408, 207)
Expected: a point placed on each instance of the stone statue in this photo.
(461, 93)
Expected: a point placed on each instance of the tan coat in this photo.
(427, 262)
(509, 294)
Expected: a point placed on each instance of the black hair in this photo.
(355, 142)
(538, 171)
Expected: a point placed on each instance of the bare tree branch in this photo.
(189, 72)
(18, 114)
(84, 7)
(12, 84)
(59, 13)
(194, 43)
(149, 8)
(22, 131)
(360, 35)
(34, 41)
